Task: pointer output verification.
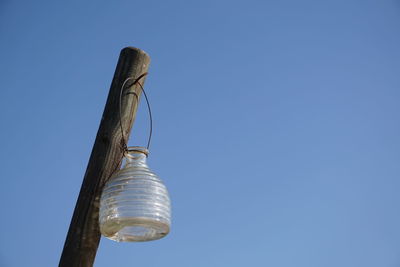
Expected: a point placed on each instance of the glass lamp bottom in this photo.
(134, 229)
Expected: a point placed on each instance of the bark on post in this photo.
(84, 236)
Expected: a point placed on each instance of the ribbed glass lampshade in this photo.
(135, 205)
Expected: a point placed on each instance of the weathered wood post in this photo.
(83, 235)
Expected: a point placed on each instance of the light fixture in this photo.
(134, 204)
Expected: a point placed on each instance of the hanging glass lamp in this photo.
(135, 204)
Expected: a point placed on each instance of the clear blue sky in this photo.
(276, 128)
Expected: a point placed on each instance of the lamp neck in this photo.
(136, 156)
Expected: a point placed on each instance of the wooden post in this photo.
(84, 236)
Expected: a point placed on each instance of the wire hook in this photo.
(137, 98)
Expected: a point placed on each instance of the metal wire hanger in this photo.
(136, 81)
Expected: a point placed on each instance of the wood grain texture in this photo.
(84, 235)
